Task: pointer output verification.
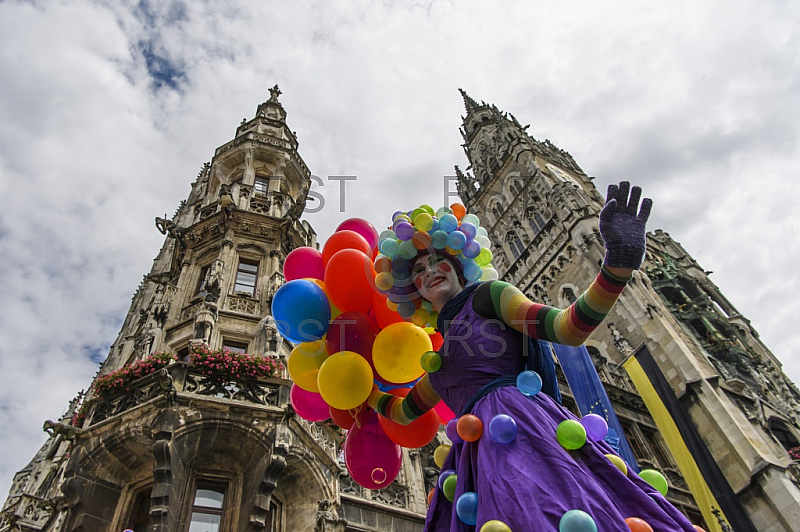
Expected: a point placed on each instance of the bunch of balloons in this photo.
(450, 230)
(348, 337)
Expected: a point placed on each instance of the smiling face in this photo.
(436, 279)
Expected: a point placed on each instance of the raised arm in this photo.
(623, 232)
(419, 400)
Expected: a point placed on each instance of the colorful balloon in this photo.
(334, 311)
(431, 361)
(467, 507)
(444, 411)
(303, 262)
(619, 462)
(443, 476)
(372, 459)
(397, 350)
(469, 427)
(384, 316)
(529, 383)
(458, 210)
(345, 380)
(655, 479)
(308, 405)
(449, 487)
(495, 526)
(345, 239)
(596, 427)
(352, 331)
(503, 428)
(577, 521)
(343, 418)
(363, 228)
(451, 430)
(638, 525)
(350, 280)
(571, 434)
(416, 434)
(440, 455)
(304, 363)
(301, 311)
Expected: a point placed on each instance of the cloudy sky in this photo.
(108, 109)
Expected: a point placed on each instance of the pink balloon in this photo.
(363, 228)
(372, 459)
(302, 263)
(445, 414)
(308, 405)
(352, 331)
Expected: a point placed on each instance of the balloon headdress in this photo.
(448, 233)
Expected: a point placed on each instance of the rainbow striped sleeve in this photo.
(419, 400)
(571, 326)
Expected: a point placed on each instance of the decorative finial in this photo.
(274, 92)
(469, 103)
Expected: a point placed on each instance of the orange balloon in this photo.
(469, 427)
(344, 239)
(430, 495)
(383, 264)
(458, 210)
(383, 314)
(350, 280)
(418, 433)
(697, 528)
(343, 418)
(638, 525)
(421, 240)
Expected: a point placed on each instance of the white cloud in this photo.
(697, 102)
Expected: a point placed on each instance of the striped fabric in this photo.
(500, 300)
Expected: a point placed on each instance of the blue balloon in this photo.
(577, 521)
(439, 239)
(529, 383)
(406, 309)
(448, 223)
(472, 271)
(467, 507)
(471, 249)
(503, 428)
(443, 476)
(301, 311)
(456, 240)
(469, 230)
(388, 246)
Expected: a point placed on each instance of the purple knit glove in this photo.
(621, 228)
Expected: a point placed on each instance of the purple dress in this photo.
(532, 481)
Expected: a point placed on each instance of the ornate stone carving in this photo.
(69, 432)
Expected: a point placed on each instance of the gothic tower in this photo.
(541, 212)
(188, 424)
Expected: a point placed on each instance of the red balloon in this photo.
(363, 228)
(372, 459)
(469, 427)
(638, 525)
(343, 418)
(344, 240)
(445, 414)
(350, 280)
(383, 314)
(352, 331)
(437, 340)
(303, 262)
(418, 433)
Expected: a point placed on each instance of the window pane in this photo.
(246, 267)
(204, 522)
(208, 498)
(247, 279)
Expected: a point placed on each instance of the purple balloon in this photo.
(503, 428)
(404, 230)
(443, 476)
(363, 228)
(308, 405)
(451, 431)
(372, 459)
(469, 230)
(596, 427)
(471, 249)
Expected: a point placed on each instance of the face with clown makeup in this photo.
(436, 279)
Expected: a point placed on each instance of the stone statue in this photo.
(68, 431)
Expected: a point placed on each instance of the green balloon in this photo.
(449, 487)
(431, 361)
(571, 434)
(655, 479)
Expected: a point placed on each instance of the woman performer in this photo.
(530, 483)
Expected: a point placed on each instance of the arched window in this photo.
(516, 185)
(497, 211)
(569, 295)
(515, 243)
(782, 433)
(535, 220)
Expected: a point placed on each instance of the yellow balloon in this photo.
(304, 363)
(495, 526)
(345, 380)
(619, 462)
(397, 350)
(440, 454)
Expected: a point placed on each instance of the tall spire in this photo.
(469, 103)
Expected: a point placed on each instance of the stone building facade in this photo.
(541, 211)
(178, 446)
